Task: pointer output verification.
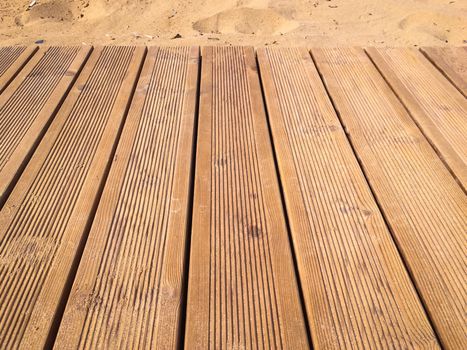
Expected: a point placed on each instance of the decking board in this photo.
(45, 220)
(242, 291)
(128, 288)
(353, 225)
(452, 62)
(436, 105)
(423, 205)
(356, 289)
(12, 60)
(29, 104)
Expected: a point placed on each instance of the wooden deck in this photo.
(229, 198)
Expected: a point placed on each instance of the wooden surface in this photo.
(437, 107)
(176, 198)
(128, 289)
(37, 92)
(452, 62)
(343, 247)
(12, 60)
(46, 217)
(424, 207)
(242, 290)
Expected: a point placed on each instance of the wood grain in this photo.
(12, 60)
(44, 222)
(30, 103)
(452, 62)
(423, 205)
(356, 289)
(363, 239)
(242, 290)
(437, 107)
(128, 289)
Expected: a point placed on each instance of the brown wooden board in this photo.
(423, 205)
(29, 104)
(242, 290)
(44, 222)
(12, 60)
(438, 108)
(344, 201)
(356, 289)
(128, 288)
(452, 62)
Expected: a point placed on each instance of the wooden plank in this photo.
(423, 205)
(452, 62)
(128, 289)
(12, 60)
(437, 107)
(242, 291)
(356, 289)
(29, 104)
(44, 222)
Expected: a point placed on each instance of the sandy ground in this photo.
(254, 22)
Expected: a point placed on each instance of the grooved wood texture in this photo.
(435, 104)
(30, 103)
(45, 220)
(356, 289)
(424, 206)
(12, 59)
(128, 289)
(242, 291)
(452, 62)
(102, 244)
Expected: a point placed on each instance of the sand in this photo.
(242, 22)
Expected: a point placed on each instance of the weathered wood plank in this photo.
(356, 289)
(128, 288)
(423, 205)
(452, 62)
(45, 220)
(12, 60)
(437, 107)
(29, 104)
(242, 290)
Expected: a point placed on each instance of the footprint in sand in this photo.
(52, 11)
(432, 24)
(246, 21)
